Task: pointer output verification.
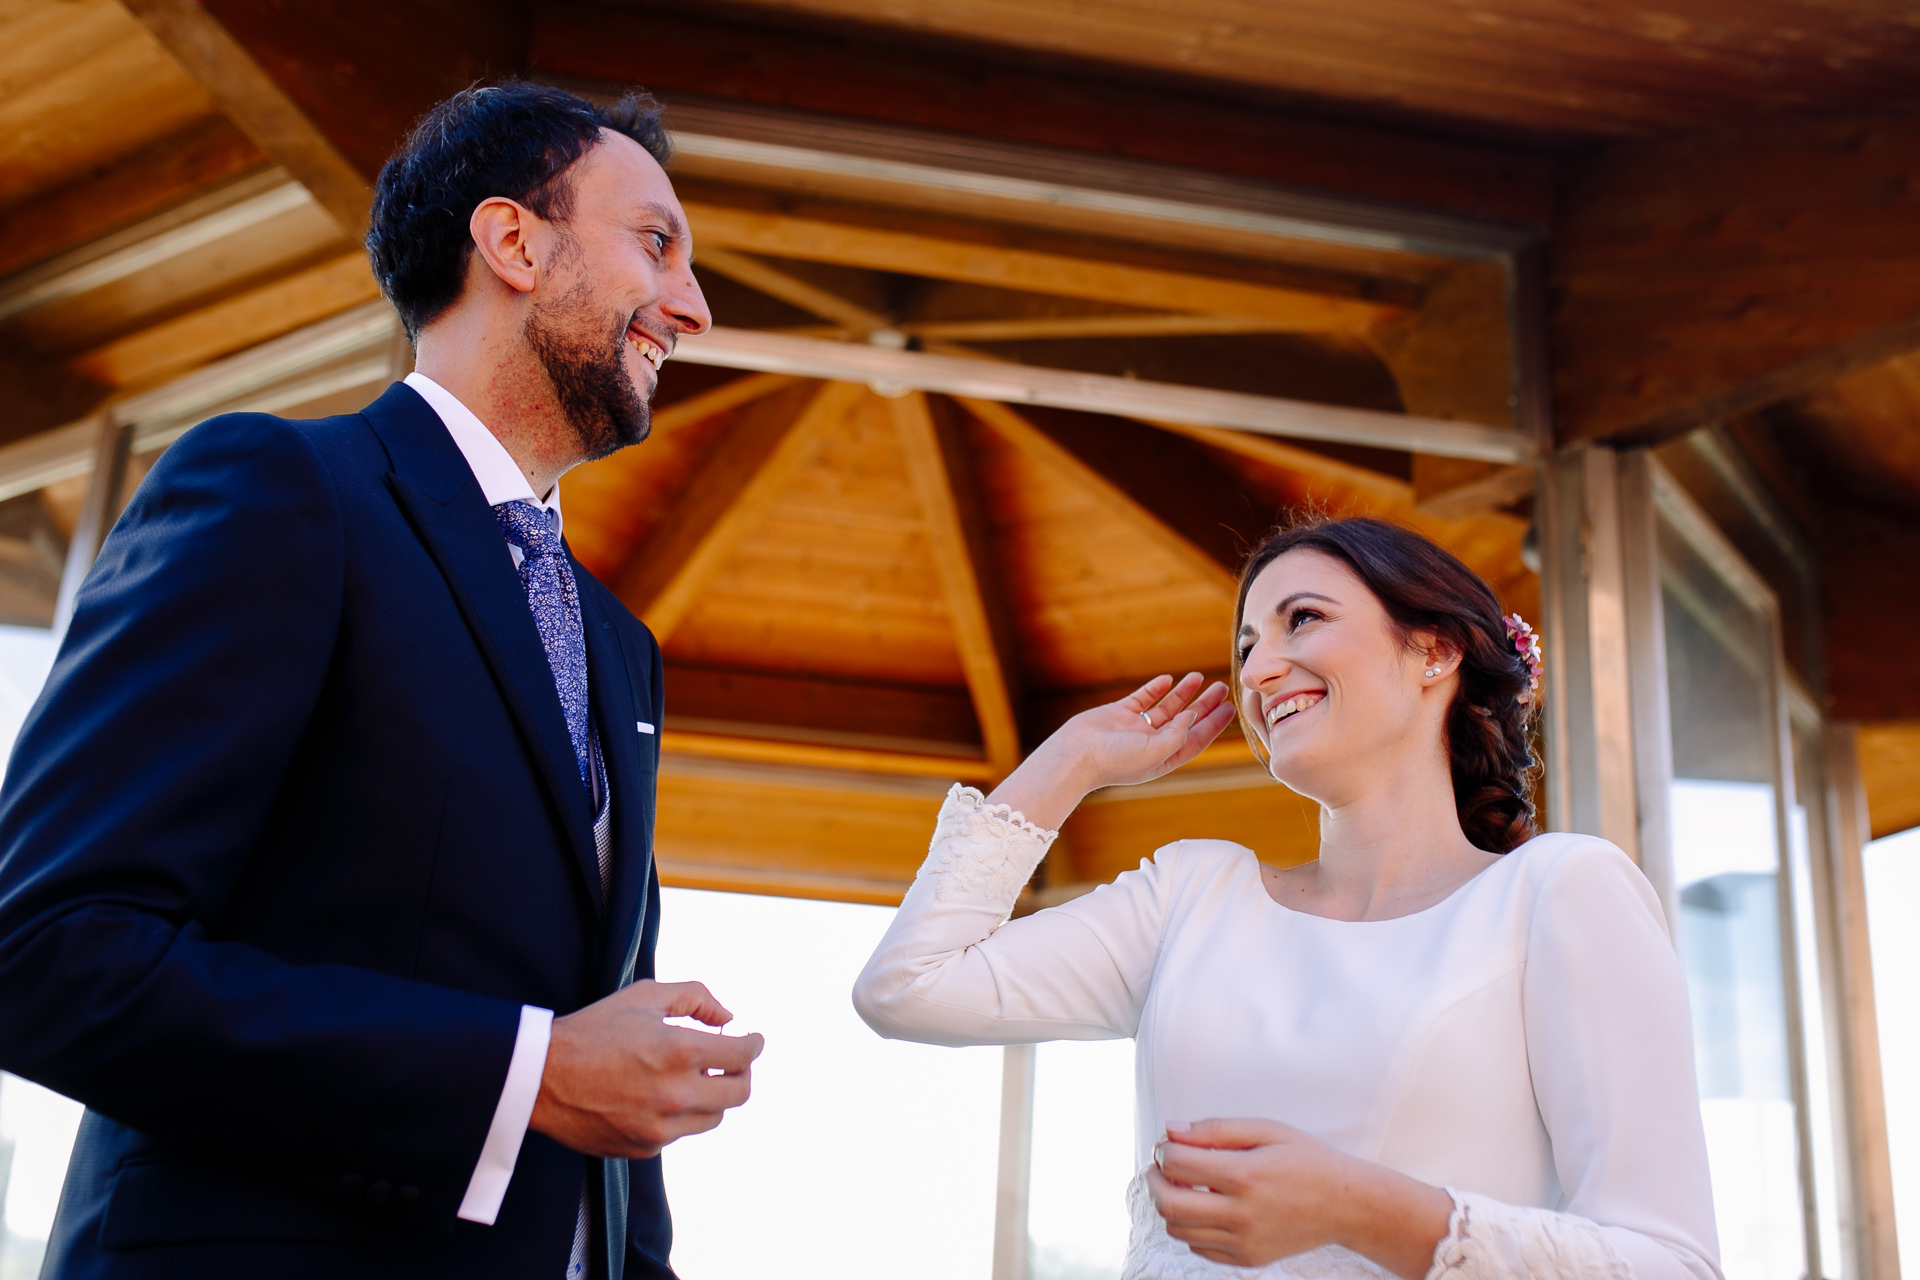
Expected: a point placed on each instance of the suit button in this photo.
(352, 1185)
(379, 1193)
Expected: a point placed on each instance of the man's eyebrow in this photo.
(675, 227)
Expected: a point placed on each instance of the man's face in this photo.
(617, 294)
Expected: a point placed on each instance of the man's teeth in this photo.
(1281, 710)
(649, 350)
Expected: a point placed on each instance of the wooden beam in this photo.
(940, 464)
(1097, 393)
(1290, 457)
(1451, 488)
(232, 324)
(1035, 271)
(1869, 575)
(791, 289)
(1151, 324)
(260, 107)
(148, 182)
(969, 91)
(751, 463)
(817, 755)
(804, 706)
(1453, 358)
(1699, 278)
(192, 227)
(1025, 436)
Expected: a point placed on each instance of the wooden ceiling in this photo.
(862, 594)
(1559, 68)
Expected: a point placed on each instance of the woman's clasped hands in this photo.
(1250, 1192)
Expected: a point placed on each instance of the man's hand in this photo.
(620, 1082)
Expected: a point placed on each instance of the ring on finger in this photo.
(1148, 717)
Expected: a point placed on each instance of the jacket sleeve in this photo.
(135, 800)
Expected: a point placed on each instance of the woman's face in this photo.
(1325, 682)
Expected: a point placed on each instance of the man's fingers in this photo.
(729, 1054)
(692, 1000)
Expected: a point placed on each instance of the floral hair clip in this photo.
(1527, 644)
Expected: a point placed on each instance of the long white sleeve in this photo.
(1610, 1044)
(501, 1151)
(954, 970)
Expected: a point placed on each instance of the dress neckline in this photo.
(1455, 894)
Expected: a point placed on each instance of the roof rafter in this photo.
(752, 460)
(940, 464)
(792, 290)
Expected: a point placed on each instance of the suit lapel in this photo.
(435, 488)
(619, 709)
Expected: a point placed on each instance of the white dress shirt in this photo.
(1524, 1043)
(501, 480)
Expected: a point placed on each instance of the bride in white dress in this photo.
(1450, 1047)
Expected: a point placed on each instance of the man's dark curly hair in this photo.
(514, 139)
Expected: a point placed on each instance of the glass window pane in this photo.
(1082, 1159)
(1892, 868)
(855, 1152)
(1726, 868)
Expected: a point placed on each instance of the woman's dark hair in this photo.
(513, 139)
(1425, 589)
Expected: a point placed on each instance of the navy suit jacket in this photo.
(293, 832)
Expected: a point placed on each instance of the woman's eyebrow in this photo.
(1302, 595)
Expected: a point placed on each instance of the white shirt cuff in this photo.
(488, 1186)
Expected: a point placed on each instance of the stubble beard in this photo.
(584, 353)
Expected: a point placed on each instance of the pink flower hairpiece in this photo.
(1526, 643)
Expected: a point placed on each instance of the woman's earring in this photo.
(1432, 672)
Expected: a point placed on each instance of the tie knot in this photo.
(529, 528)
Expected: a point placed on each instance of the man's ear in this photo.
(503, 234)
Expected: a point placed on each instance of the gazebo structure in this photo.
(1033, 317)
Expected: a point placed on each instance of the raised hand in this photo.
(621, 1081)
(1150, 732)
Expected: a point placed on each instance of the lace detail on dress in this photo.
(1152, 1254)
(1491, 1240)
(982, 853)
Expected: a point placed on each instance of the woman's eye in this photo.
(1246, 649)
(1299, 616)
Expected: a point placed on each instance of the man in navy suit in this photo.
(342, 786)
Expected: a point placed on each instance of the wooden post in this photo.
(1016, 1163)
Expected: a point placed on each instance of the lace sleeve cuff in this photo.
(982, 853)
(1488, 1239)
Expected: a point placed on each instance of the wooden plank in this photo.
(1698, 279)
(939, 462)
(82, 84)
(1004, 266)
(1098, 393)
(754, 459)
(259, 106)
(826, 756)
(1454, 357)
(808, 705)
(1023, 435)
(790, 289)
(233, 324)
(1890, 771)
(111, 196)
(1869, 563)
(972, 91)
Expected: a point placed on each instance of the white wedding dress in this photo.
(1524, 1043)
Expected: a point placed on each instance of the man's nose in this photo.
(686, 305)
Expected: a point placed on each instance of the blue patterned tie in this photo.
(555, 600)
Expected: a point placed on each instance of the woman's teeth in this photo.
(1281, 710)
